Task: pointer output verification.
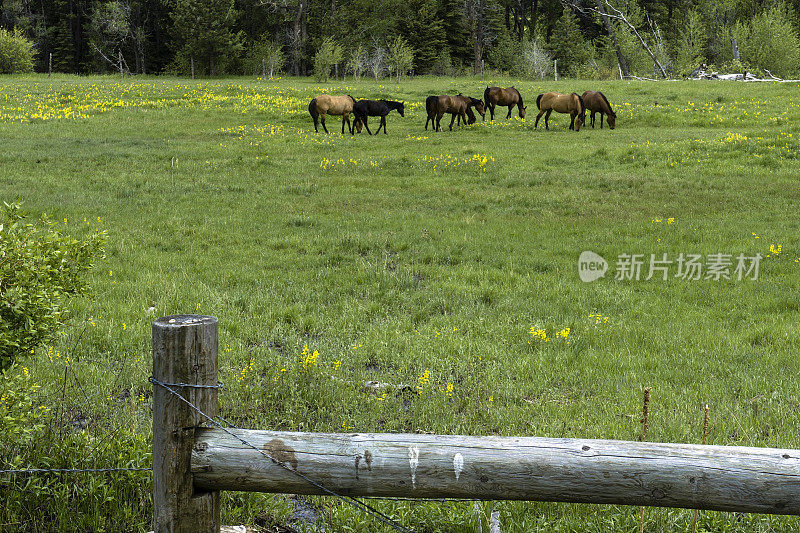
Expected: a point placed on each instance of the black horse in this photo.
(376, 108)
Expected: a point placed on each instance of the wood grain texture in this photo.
(184, 351)
(725, 478)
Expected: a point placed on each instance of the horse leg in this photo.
(509, 111)
(323, 122)
(601, 120)
(452, 120)
(439, 116)
(383, 123)
(592, 119)
(572, 121)
(364, 121)
(537, 118)
(546, 117)
(346, 116)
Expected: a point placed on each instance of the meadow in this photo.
(444, 264)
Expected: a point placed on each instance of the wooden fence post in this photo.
(185, 352)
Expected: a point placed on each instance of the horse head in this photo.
(611, 120)
(522, 111)
(479, 107)
(401, 108)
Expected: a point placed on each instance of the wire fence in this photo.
(225, 426)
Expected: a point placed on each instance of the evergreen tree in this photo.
(567, 45)
(424, 32)
(205, 32)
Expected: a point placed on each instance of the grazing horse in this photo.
(563, 103)
(430, 106)
(458, 106)
(596, 102)
(326, 104)
(495, 96)
(376, 108)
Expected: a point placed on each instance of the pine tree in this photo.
(205, 32)
(423, 29)
(567, 45)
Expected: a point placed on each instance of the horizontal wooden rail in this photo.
(723, 478)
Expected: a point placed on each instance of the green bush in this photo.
(267, 53)
(16, 52)
(39, 269)
(400, 57)
(769, 41)
(328, 54)
(690, 45)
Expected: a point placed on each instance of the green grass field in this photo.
(420, 258)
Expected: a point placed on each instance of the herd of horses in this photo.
(461, 107)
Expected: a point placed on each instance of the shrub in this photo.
(376, 63)
(690, 45)
(536, 62)
(268, 51)
(39, 269)
(329, 54)
(770, 42)
(357, 63)
(400, 57)
(16, 52)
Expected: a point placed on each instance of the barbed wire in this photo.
(347, 499)
(73, 470)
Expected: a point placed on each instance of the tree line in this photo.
(586, 38)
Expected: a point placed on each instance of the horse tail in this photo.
(312, 108)
(582, 111)
(610, 111)
(486, 95)
(539, 101)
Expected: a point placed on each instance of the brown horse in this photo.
(495, 96)
(458, 106)
(596, 102)
(563, 103)
(326, 104)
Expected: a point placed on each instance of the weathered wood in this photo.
(184, 351)
(760, 480)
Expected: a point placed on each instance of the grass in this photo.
(419, 258)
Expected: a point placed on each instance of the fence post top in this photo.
(177, 321)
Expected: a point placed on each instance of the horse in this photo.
(326, 104)
(376, 108)
(596, 102)
(430, 106)
(495, 96)
(458, 106)
(563, 103)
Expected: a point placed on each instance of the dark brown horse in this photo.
(563, 103)
(596, 102)
(458, 106)
(495, 96)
